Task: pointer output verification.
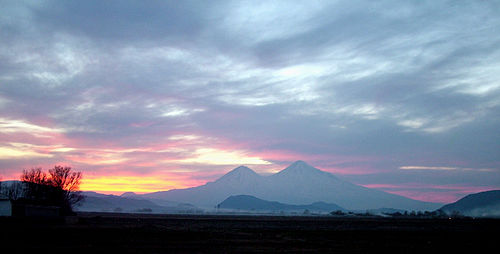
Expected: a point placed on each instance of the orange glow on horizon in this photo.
(137, 184)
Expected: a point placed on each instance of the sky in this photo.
(402, 96)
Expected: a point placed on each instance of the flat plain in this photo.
(149, 233)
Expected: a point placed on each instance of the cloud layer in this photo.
(187, 90)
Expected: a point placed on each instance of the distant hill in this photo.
(128, 202)
(251, 203)
(97, 202)
(482, 204)
(161, 202)
(297, 184)
(113, 203)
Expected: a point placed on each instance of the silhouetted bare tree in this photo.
(58, 188)
(62, 178)
(34, 175)
(36, 185)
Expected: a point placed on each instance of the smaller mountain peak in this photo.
(128, 194)
(242, 169)
(241, 173)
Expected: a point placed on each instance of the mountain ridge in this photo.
(251, 203)
(481, 204)
(297, 184)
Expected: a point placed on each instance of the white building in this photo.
(5, 207)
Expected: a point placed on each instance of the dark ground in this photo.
(139, 233)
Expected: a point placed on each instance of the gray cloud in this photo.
(394, 82)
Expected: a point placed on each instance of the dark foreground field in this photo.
(128, 233)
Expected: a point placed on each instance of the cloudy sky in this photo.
(144, 96)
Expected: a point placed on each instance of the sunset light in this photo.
(149, 97)
(261, 126)
(136, 184)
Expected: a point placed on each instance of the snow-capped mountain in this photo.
(241, 180)
(297, 184)
(240, 177)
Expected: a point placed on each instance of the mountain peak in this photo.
(301, 171)
(242, 169)
(300, 163)
(300, 167)
(240, 173)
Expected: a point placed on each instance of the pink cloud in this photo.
(157, 160)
